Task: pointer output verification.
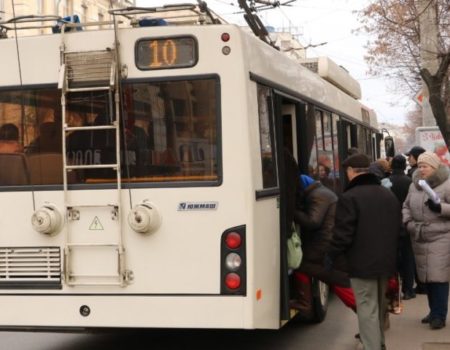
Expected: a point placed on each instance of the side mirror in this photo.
(389, 146)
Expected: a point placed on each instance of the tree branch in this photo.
(443, 67)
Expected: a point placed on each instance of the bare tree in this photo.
(395, 50)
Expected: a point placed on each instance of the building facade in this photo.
(87, 10)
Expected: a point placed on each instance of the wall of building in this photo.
(87, 10)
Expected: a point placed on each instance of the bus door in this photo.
(287, 113)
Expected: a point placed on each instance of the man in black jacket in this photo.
(367, 227)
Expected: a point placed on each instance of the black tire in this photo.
(320, 292)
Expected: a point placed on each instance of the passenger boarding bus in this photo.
(142, 178)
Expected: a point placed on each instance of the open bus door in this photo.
(288, 116)
(284, 226)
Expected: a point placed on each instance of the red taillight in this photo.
(232, 281)
(233, 240)
(225, 37)
(233, 276)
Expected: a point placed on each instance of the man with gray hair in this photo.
(367, 228)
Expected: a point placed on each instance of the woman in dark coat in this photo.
(428, 224)
(316, 219)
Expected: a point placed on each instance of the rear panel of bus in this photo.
(191, 165)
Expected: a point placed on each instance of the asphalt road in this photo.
(335, 333)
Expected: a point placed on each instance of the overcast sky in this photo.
(330, 21)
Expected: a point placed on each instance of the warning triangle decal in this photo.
(96, 224)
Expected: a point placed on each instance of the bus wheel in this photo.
(320, 293)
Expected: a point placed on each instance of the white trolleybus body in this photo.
(141, 176)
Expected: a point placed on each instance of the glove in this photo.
(328, 262)
(437, 208)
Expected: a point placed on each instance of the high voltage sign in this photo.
(96, 225)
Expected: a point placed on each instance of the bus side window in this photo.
(266, 132)
(310, 142)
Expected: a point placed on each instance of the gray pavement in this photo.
(407, 333)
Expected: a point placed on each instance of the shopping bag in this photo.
(294, 249)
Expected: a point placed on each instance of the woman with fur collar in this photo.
(428, 224)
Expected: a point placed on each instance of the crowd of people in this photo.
(386, 223)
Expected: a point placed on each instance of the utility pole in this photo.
(428, 52)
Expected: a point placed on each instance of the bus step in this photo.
(92, 88)
(119, 284)
(90, 127)
(92, 166)
(87, 245)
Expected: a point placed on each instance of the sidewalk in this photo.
(337, 331)
(407, 333)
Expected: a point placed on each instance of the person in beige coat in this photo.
(428, 223)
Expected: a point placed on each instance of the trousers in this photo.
(407, 265)
(437, 294)
(371, 304)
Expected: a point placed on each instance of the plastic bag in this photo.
(294, 249)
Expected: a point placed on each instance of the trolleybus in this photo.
(141, 170)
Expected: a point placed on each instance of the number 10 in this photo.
(162, 53)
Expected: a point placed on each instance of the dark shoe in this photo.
(357, 336)
(437, 323)
(426, 319)
(420, 289)
(409, 295)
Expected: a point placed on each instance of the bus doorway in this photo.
(287, 116)
(293, 137)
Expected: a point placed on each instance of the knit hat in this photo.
(429, 158)
(305, 181)
(376, 169)
(358, 160)
(416, 151)
(398, 162)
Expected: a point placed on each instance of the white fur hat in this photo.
(429, 158)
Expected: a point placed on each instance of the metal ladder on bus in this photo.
(80, 72)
